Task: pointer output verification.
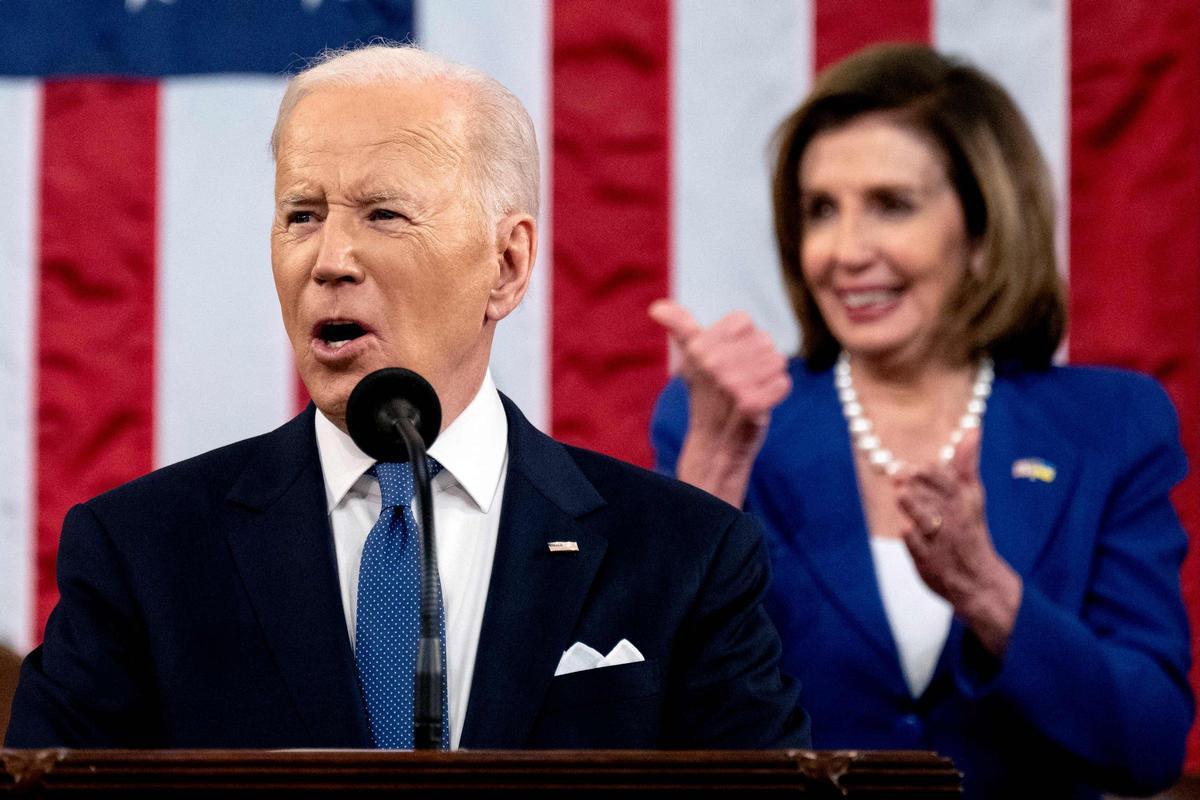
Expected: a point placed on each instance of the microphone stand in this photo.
(428, 725)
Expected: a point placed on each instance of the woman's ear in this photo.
(516, 249)
(977, 259)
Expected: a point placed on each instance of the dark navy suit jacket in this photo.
(200, 608)
(1092, 690)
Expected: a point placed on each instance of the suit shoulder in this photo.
(205, 477)
(672, 400)
(1116, 417)
(1090, 395)
(669, 422)
(1097, 380)
(804, 375)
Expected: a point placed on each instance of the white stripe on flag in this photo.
(1023, 44)
(20, 108)
(739, 68)
(224, 364)
(509, 40)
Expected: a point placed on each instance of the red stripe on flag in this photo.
(1135, 206)
(612, 217)
(95, 360)
(842, 26)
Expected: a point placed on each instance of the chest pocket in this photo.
(605, 685)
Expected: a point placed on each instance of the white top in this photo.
(918, 616)
(473, 452)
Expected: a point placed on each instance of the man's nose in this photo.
(337, 256)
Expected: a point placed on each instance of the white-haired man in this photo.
(220, 602)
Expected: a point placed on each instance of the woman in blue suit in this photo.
(973, 549)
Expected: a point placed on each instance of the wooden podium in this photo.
(126, 773)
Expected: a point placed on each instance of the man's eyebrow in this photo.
(383, 196)
(299, 199)
(363, 198)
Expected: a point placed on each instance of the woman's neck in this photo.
(913, 383)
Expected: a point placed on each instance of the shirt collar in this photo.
(472, 450)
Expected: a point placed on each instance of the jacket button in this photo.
(911, 726)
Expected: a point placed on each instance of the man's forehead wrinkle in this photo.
(434, 142)
(295, 170)
(297, 182)
(429, 143)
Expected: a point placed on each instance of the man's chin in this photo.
(330, 390)
(330, 393)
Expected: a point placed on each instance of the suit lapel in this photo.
(535, 596)
(1022, 512)
(280, 538)
(815, 488)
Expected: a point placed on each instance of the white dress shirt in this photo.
(919, 617)
(473, 452)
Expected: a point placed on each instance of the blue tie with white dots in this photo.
(388, 619)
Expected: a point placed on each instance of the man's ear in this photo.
(516, 249)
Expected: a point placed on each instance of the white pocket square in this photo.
(579, 657)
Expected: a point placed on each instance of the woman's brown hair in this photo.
(1013, 308)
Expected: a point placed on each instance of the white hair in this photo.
(503, 142)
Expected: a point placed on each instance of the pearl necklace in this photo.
(863, 432)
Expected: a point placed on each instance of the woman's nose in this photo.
(851, 243)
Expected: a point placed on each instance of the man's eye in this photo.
(299, 217)
(382, 214)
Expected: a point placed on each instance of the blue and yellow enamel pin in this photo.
(1034, 469)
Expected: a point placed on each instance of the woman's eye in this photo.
(891, 203)
(818, 208)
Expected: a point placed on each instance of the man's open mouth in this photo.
(336, 334)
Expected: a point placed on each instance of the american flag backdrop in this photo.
(136, 193)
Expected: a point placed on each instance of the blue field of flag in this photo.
(157, 38)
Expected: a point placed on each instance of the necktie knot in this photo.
(396, 483)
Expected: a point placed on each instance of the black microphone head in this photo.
(379, 400)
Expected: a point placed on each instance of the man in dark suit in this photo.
(587, 603)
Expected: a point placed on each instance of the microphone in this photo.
(383, 400)
(393, 414)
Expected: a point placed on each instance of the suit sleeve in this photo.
(87, 685)
(1109, 682)
(668, 426)
(728, 690)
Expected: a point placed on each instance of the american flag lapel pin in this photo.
(562, 547)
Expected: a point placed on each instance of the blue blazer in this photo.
(1092, 690)
(200, 608)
